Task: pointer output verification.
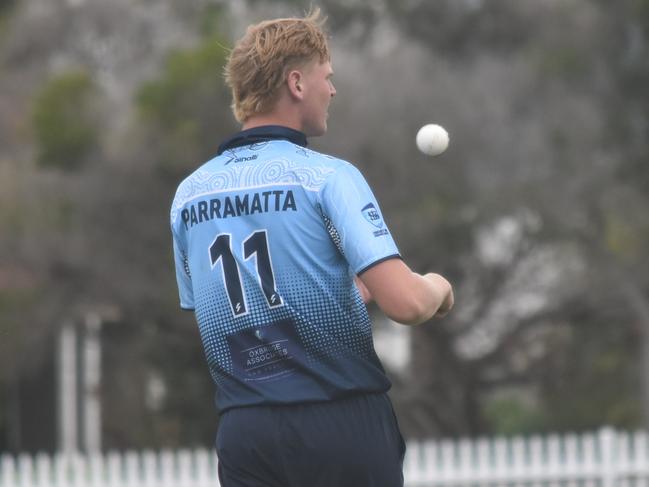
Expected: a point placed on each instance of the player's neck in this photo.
(283, 114)
(262, 121)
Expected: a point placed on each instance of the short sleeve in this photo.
(183, 274)
(354, 220)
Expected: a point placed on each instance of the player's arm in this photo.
(405, 296)
(362, 289)
(183, 277)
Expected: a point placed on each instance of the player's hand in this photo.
(446, 290)
(446, 305)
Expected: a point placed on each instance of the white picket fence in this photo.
(606, 458)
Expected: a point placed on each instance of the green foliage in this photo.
(187, 106)
(3, 417)
(562, 61)
(511, 415)
(6, 4)
(640, 9)
(211, 20)
(625, 223)
(455, 30)
(623, 238)
(592, 378)
(37, 216)
(13, 303)
(6, 7)
(12, 300)
(64, 126)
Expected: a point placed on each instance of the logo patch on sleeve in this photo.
(372, 215)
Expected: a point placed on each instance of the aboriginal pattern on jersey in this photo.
(275, 171)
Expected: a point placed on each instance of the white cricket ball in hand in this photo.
(432, 139)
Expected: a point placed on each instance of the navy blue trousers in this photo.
(351, 442)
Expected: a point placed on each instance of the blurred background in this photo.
(538, 212)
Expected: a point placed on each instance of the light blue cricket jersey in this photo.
(267, 238)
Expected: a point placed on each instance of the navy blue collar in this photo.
(263, 134)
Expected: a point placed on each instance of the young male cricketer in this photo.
(276, 249)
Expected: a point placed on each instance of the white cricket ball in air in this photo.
(432, 139)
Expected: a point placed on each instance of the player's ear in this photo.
(295, 84)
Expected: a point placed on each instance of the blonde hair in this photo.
(262, 58)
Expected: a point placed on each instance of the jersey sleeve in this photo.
(183, 275)
(353, 219)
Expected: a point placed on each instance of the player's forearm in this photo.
(429, 295)
(405, 296)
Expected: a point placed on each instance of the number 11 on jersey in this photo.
(256, 244)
